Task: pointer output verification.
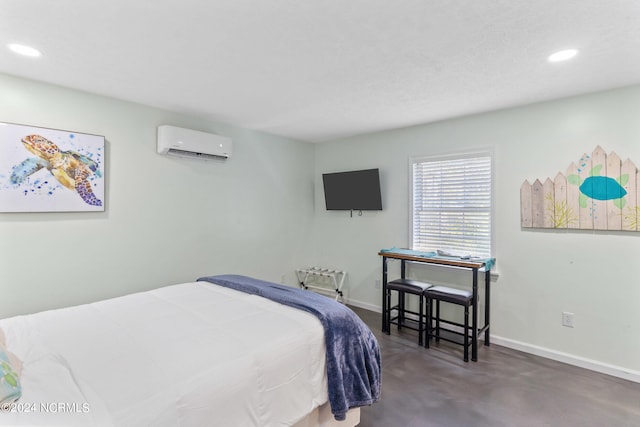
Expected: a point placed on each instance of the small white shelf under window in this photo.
(322, 280)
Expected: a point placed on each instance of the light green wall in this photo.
(167, 220)
(261, 213)
(595, 275)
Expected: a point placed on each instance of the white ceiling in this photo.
(318, 70)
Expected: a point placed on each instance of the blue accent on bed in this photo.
(353, 355)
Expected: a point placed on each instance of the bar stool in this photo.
(405, 286)
(454, 296)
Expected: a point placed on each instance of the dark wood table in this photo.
(474, 265)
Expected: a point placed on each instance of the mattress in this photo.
(192, 354)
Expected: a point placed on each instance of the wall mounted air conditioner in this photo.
(193, 144)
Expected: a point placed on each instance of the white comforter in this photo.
(193, 354)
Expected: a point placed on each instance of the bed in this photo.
(191, 354)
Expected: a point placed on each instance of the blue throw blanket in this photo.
(353, 355)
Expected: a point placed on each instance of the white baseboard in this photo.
(593, 365)
(365, 305)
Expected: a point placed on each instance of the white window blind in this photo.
(451, 203)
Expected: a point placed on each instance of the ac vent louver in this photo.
(203, 156)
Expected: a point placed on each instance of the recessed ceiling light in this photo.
(562, 55)
(24, 50)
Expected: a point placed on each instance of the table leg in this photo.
(487, 302)
(385, 324)
(474, 321)
(403, 275)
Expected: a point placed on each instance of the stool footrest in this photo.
(451, 336)
(397, 308)
(450, 322)
(407, 323)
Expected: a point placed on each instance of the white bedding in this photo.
(193, 354)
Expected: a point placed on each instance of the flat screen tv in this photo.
(353, 190)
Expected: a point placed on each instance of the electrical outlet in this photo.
(377, 284)
(283, 279)
(567, 319)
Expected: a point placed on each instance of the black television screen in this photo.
(354, 190)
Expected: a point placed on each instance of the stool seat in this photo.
(408, 285)
(454, 296)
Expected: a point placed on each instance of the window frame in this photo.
(465, 154)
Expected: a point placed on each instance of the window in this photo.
(451, 203)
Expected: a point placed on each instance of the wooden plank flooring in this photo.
(505, 388)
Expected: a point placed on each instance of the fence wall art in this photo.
(600, 192)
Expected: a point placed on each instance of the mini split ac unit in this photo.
(193, 144)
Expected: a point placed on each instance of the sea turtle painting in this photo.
(602, 188)
(72, 169)
(597, 187)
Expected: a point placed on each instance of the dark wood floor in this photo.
(505, 388)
